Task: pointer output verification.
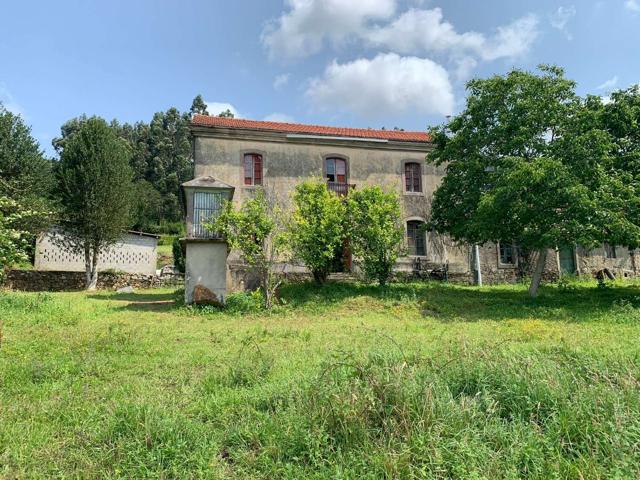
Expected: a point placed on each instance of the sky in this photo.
(358, 63)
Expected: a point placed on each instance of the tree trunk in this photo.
(92, 270)
(87, 265)
(537, 273)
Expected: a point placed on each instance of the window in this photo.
(416, 238)
(252, 169)
(610, 251)
(205, 206)
(412, 177)
(336, 170)
(507, 254)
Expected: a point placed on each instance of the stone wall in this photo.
(35, 281)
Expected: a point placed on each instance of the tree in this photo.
(226, 114)
(198, 106)
(318, 229)
(14, 240)
(375, 232)
(525, 164)
(25, 177)
(95, 189)
(257, 229)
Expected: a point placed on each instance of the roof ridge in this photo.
(358, 132)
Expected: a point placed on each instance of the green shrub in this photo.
(178, 255)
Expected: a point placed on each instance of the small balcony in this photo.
(341, 189)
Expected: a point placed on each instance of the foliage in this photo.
(347, 381)
(178, 255)
(375, 232)
(526, 162)
(318, 228)
(161, 160)
(14, 240)
(198, 106)
(226, 114)
(25, 176)
(257, 230)
(95, 191)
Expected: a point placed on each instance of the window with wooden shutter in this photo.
(253, 169)
(412, 177)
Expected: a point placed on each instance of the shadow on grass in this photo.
(146, 301)
(446, 302)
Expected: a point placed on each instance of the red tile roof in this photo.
(298, 128)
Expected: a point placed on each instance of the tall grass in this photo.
(349, 381)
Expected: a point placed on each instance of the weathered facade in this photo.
(248, 155)
(136, 252)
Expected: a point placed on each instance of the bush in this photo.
(375, 231)
(318, 229)
(178, 255)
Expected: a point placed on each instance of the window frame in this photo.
(405, 163)
(514, 256)
(198, 231)
(419, 223)
(254, 153)
(325, 170)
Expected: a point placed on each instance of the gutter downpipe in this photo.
(476, 254)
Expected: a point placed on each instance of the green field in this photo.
(344, 381)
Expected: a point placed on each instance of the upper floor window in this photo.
(416, 238)
(206, 206)
(412, 177)
(336, 169)
(252, 169)
(507, 253)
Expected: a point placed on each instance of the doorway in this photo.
(567, 256)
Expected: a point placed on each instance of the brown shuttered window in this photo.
(412, 177)
(252, 169)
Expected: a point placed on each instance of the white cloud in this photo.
(417, 31)
(561, 17)
(387, 84)
(308, 24)
(280, 80)
(279, 117)
(215, 108)
(632, 5)
(513, 40)
(9, 102)
(609, 84)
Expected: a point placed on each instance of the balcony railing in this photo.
(341, 189)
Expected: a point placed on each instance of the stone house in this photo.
(234, 157)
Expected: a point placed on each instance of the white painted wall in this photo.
(133, 254)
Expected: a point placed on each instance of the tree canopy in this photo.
(528, 161)
(95, 191)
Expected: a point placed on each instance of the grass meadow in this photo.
(346, 381)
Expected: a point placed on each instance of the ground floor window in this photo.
(416, 238)
(507, 254)
(610, 251)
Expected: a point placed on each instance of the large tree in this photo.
(25, 177)
(95, 191)
(526, 163)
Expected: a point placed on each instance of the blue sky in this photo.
(365, 63)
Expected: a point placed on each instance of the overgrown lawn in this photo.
(344, 381)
